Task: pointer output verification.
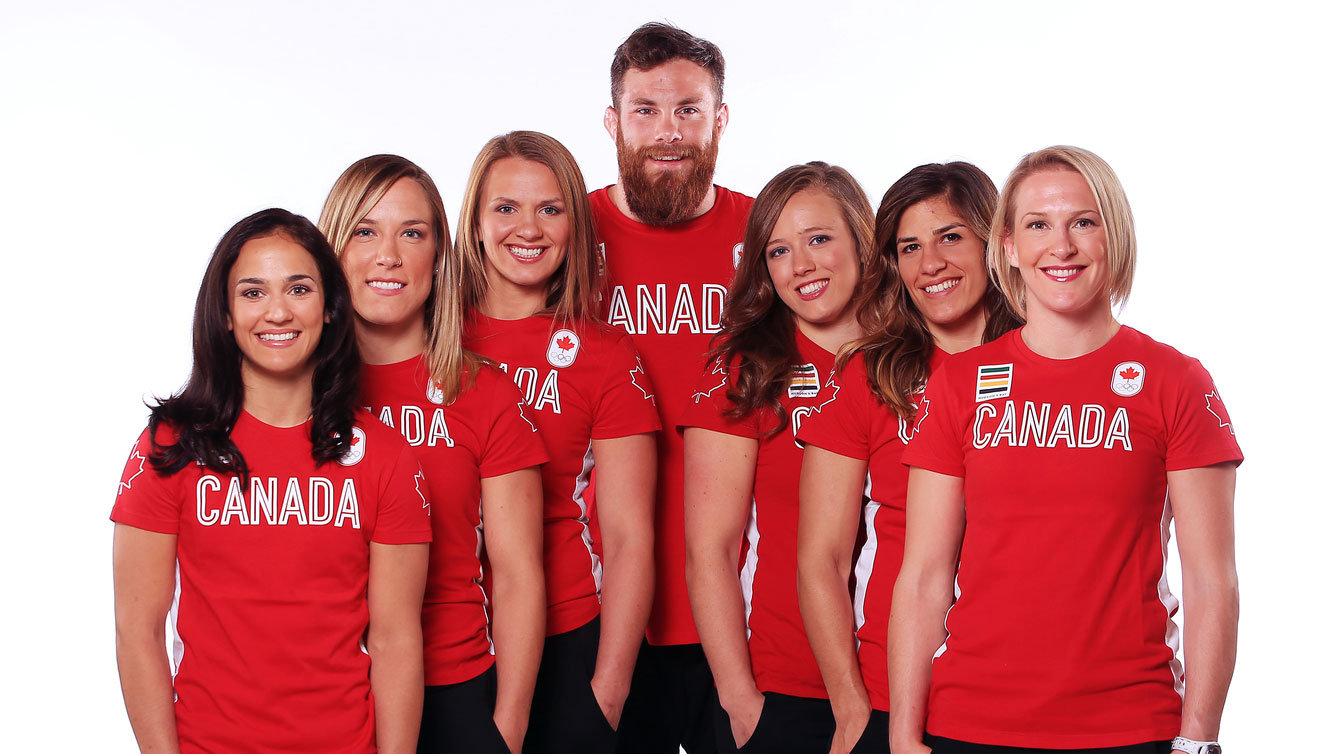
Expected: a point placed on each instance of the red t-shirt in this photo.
(483, 433)
(858, 425)
(581, 382)
(666, 285)
(271, 607)
(778, 649)
(1062, 633)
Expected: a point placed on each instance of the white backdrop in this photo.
(133, 134)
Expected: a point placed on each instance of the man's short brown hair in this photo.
(653, 44)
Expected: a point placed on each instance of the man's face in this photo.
(666, 129)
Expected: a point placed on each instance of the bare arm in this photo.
(921, 596)
(830, 512)
(625, 487)
(144, 574)
(395, 642)
(718, 485)
(512, 535)
(1202, 503)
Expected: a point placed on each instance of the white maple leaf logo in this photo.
(717, 368)
(139, 469)
(633, 373)
(418, 482)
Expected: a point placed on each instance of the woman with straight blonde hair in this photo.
(477, 447)
(931, 296)
(527, 251)
(1046, 469)
(791, 308)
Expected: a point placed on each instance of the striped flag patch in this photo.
(804, 381)
(993, 381)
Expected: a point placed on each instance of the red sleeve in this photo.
(842, 424)
(625, 405)
(708, 406)
(938, 429)
(402, 507)
(512, 442)
(146, 499)
(1200, 433)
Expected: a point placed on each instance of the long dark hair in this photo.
(758, 331)
(899, 347)
(204, 412)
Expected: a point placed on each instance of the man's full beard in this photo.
(666, 199)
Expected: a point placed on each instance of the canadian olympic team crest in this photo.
(358, 445)
(1128, 378)
(735, 255)
(563, 347)
(434, 391)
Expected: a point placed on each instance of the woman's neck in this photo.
(278, 401)
(389, 344)
(503, 300)
(1067, 337)
(831, 336)
(959, 336)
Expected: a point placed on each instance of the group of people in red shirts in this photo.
(665, 466)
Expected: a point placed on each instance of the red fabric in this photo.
(483, 433)
(272, 580)
(778, 650)
(601, 393)
(1060, 638)
(666, 285)
(858, 425)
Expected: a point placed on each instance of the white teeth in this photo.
(940, 287)
(525, 253)
(667, 159)
(814, 287)
(1063, 274)
(278, 336)
(385, 285)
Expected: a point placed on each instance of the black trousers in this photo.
(670, 703)
(459, 717)
(786, 725)
(565, 717)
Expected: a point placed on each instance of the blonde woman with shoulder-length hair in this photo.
(792, 307)
(1046, 470)
(526, 233)
(476, 446)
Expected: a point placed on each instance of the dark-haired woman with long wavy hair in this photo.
(276, 532)
(483, 628)
(932, 296)
(790, 309)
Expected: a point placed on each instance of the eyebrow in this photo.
(810, 229)
(506, 200)
(289, 279)
(693, 100)
(936, 232)
(370, 221)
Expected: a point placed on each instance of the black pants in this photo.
(786, 725)
(875, 738)
(950, 746)
(459, 717)
(564, 715)
(670, 703)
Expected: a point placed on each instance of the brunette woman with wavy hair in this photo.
(790, 309)
(280, 530)
(931, 295)
(478, 449)
(526, 232)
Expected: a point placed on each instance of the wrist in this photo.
(1192, 746)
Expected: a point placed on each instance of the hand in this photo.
(611, 698)
(513, 732)
(851, 726)
(744, 714)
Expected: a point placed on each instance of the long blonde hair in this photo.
(353, 196)
(574, 289)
